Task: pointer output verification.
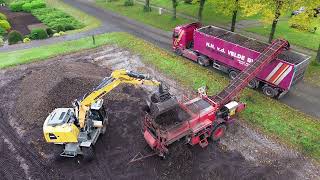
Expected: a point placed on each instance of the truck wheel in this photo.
(88, 153)
(269, 91)
(233, 74)
(218, 132)
(203, 61)
(253, 84)
(178, 52)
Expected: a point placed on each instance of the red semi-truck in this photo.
(231, 53)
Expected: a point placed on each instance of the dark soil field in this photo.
(30, 92)
(19, 20)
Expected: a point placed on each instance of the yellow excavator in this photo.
(78, 128)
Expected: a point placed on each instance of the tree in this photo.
(318, 54)
(201, 7)
(272, 10)
(174, 6)
(234, 15)
(278, 6)
(147, 7)
(229, 8)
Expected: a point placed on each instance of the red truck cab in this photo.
(183, 37)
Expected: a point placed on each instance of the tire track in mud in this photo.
(43, 171)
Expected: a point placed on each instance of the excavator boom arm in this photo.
(117, 77)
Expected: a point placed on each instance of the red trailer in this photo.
(231, 53)
(202, 118)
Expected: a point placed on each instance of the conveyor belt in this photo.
(244, 77)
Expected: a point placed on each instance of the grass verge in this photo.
(270, 116)
(164, 21)
(90, 22)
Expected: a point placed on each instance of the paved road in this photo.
(302, 97)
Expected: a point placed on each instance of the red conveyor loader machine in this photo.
(204, 117)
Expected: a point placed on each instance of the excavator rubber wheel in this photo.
(88, 153)
(218, 132)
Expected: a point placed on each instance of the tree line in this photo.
(269, 12)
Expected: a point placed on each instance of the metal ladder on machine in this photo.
(249, 73)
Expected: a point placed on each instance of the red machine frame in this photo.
(216, 112)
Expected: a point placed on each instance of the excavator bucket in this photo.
(161, 102)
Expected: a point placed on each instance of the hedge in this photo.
(16, 5)
(26, 5)
(57, 19)
(14, 37)
(5, 25)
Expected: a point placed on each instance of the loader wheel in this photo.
(218, 132)
(88, 153)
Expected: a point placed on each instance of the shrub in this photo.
(27, 7)
(61, 33)
(128, 3)
(26, 40)
(69, 27)
(2, 2)
(188, 1)
(14, 37)
(38, 34)
(1, 41)
(16, 5)
(56, 34)
(34, 5)
(50, 32)
(5, 25)
(2, 31)
(60, 28)
(2, 16)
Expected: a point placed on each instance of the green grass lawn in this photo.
(90, 22)
(210, 14)
(270, 116)
(164, 22)
(304, 39)
(313, 73)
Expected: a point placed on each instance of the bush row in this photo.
(15, 36)
(26, 5)
(57, 19)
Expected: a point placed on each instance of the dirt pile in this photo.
(58, 85)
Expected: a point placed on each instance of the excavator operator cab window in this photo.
(97, 115)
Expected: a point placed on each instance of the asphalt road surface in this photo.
(302, 96)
